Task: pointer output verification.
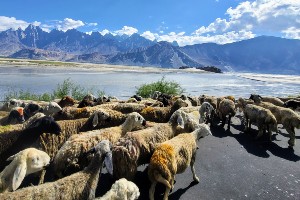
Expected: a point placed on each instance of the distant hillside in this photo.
(262, 54)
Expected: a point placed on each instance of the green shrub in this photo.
(167, 87)
(67, 87)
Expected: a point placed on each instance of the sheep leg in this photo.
(167, 193)
(229, 120)
(152, 190)
(223, 121)
(291, 132)
(195, 177)
(42, 176)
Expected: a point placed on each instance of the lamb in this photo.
(285, 116)
(15, 141)
(162, 114)
(80, 185)
(71, 155)
(206, 111)
(136, 148)
(25, 162)
(263, 118)
(122, 189)
(173, 157)
(226, 107)
(16, 116)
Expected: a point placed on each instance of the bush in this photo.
(163, 86)
(68, 87)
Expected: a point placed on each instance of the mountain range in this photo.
(264, 54)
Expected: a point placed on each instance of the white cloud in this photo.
(104, 32)
(148, 35)
(259, 16)
(12, 22)
(92, 24)
(127, 30)
(292, 32)
(69, 23)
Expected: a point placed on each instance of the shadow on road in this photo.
(256, 147)
(176, 195)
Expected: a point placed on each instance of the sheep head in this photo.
(16, 116)
(52, 108)
(99, 116)
(256, 98)
(45, 124)
(25, 162)
(201, 131)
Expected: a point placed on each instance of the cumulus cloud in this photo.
(12, 22)
(148, 35)
(292, 32)
(69, 23)
(127, 30)
(259, 16)
(104, 32)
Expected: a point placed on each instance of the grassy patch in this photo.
(167, 87)
(67, 87)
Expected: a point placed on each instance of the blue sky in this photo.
(187, 22)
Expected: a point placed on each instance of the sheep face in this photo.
(16, 116)
(31, 109)
(99, 116)
(52, 108)
(23, 163)
(137, 119)
(202, 131)
(256, 98)
(45, 125)
(36, 161)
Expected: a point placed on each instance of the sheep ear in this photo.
(95, 120)
(180, 121)
(19, 175)
(108, 162)
(11, 157)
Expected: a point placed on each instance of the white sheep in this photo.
(80, 185)
(51, 109)
(136, 148)
(173, 157)
(285, 116)
(68, 158)
(122, 189)
(25, 162)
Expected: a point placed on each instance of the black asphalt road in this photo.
(233, 165)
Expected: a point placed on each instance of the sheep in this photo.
(274, 100)
(52, 143)
(162, 114)
(263, 118)
(76, 113)
(51, 109)
(135, 148)
(15, 141)
(122, 189)
(226, 107)
(173, 157)
(80, 185)
(293, 104)
(25, 162)
(31, 109)
(66, 101)
(206, 111)
(12, 103)
(69, 157)
(285, 116)
(15, 116)
(162, 97)
(210, 99)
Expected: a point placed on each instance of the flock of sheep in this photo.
(67, 143)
